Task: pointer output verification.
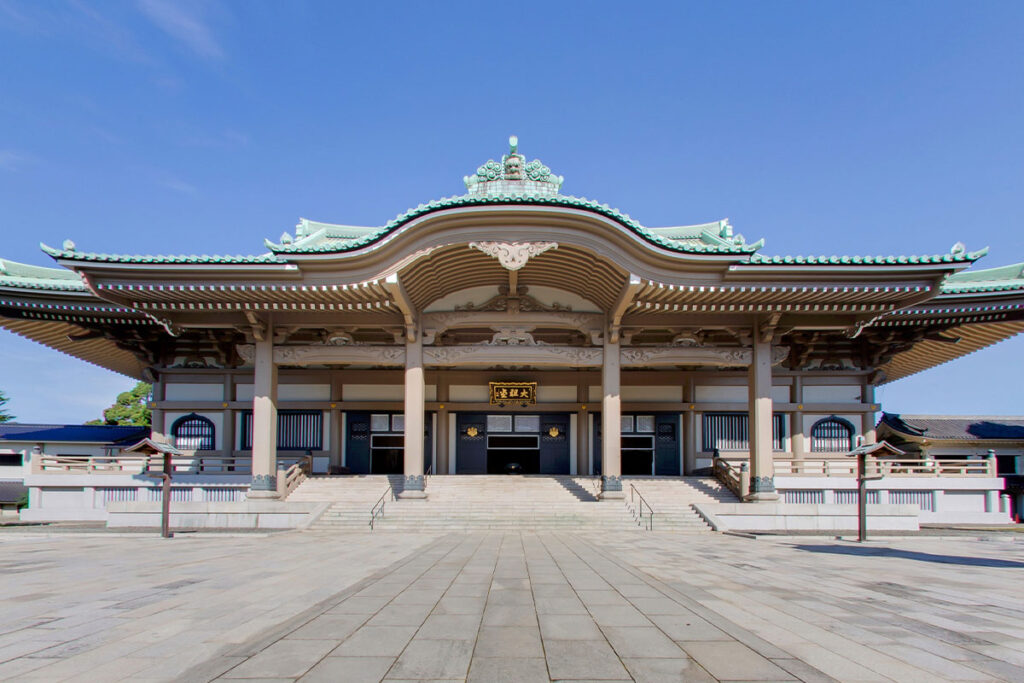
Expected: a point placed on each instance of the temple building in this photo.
(512, 328)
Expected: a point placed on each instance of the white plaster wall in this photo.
(734, 394)
(187, 391)
(594, 393)
(468, 393)
(217, 418)
(244, 392)
(303, 392)
(556, 394)
(373, 392)
(429, 393)
(832, 394)
(651, 394)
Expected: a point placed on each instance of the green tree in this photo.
(4, 415)
(130, 408)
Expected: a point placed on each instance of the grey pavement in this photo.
(322, 606)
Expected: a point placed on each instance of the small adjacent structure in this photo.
(30, 450)
(946, 437)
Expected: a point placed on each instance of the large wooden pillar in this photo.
(442, 456)
(582, 431)
(762, 470)
(264, 421)
(415, 388)
(798, 438)
(611, 424)
(689, 427)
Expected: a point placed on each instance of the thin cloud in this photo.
(13, 161)
(179, 185)
(173, 19)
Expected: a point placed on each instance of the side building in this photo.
(514, 327)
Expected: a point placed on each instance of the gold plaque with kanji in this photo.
(505, 393)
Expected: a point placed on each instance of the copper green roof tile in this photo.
(701, 239)
(1002, 279)
(926, 259)
(75, 255)
(24, 276)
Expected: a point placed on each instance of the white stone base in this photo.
(798, 517)
(249, 514)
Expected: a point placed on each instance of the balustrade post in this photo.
(744, 480)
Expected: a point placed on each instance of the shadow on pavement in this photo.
(910, 555)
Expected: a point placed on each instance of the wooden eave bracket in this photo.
(767, 327)
(397, 291)
(626, 296)
(257, 327)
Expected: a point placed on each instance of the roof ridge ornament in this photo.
(513, 176)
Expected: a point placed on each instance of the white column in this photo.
(689, 427)
(762, 473)
(415, 389)
(611, 424)
(868, 426)
(264, 421)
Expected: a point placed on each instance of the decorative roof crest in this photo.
(513, 176)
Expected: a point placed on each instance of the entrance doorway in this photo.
(506, 442)
(375, 442)
(650, 444)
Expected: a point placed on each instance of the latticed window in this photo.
(193, 433)
(731, 431)
(831, 435)
(297, 430)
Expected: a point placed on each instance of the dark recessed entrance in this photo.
(501, 443)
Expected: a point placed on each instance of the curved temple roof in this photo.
(888, 293)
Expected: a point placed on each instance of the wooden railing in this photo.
(885, 467)
(735, 476)
(289, 478)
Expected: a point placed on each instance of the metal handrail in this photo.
(650, 510)
(378, 508)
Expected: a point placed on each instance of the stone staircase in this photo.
(501, 502)
(672, 497)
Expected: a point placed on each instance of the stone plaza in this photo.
(319, 606)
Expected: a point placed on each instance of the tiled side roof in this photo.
(1004, 278)
(75, 255)
(81, 433)
(959, 427)
(953, 257)
(710, 238)
(24, 276)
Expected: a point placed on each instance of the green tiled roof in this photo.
(952, 257)
(24, 276)
(75, 255)
(710, 238)
(1004, 278)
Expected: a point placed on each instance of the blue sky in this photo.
(824, 127)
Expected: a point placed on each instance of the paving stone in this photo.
(508, 642)
(283, 659)
(510, 615)
(618, 615)
(508, 670)
(646, 642)
(583, 659)
(334, 626)
(349, 670)
(666, 670)
(432, 659)
(450, 627)
(568, 627)
(376, 641)
(733, 661)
